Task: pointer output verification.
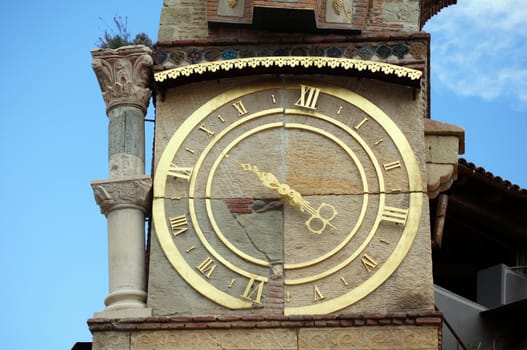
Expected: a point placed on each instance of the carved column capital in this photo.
(124, 75)
(124, 193)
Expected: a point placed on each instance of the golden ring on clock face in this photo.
(345, 234)
(287, 182)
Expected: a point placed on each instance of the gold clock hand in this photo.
(268, 179)
(320, 217)
(294, 198)
(317, 216)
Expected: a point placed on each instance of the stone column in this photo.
(124, 77)
(124, 202)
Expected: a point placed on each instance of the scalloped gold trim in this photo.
(288, 61)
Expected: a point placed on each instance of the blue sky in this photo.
(479, 81)
(53, 142)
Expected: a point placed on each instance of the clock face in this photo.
(293, 196)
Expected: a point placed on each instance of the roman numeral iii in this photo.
(180, 172)
(396, 215)
(207, 267)
(392, 165)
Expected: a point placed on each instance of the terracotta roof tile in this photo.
(430, 7)
(480, 170)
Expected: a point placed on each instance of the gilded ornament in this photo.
(340, 9)
(290, 61)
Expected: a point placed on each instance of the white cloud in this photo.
(479, 48)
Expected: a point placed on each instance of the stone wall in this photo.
(393, 15)
(372, 331)
(183, 20)
(187, 19)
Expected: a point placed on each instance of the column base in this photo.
(124, 313)
(125, 303)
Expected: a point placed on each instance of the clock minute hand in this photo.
(294, 198)
(268, 179)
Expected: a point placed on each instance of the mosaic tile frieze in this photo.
(181, 56)
(385, 57)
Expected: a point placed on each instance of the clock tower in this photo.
(293, 163)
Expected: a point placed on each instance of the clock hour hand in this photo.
(268, 179)
(320, 217)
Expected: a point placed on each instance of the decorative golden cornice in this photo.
(289, 62)
(124, 75)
